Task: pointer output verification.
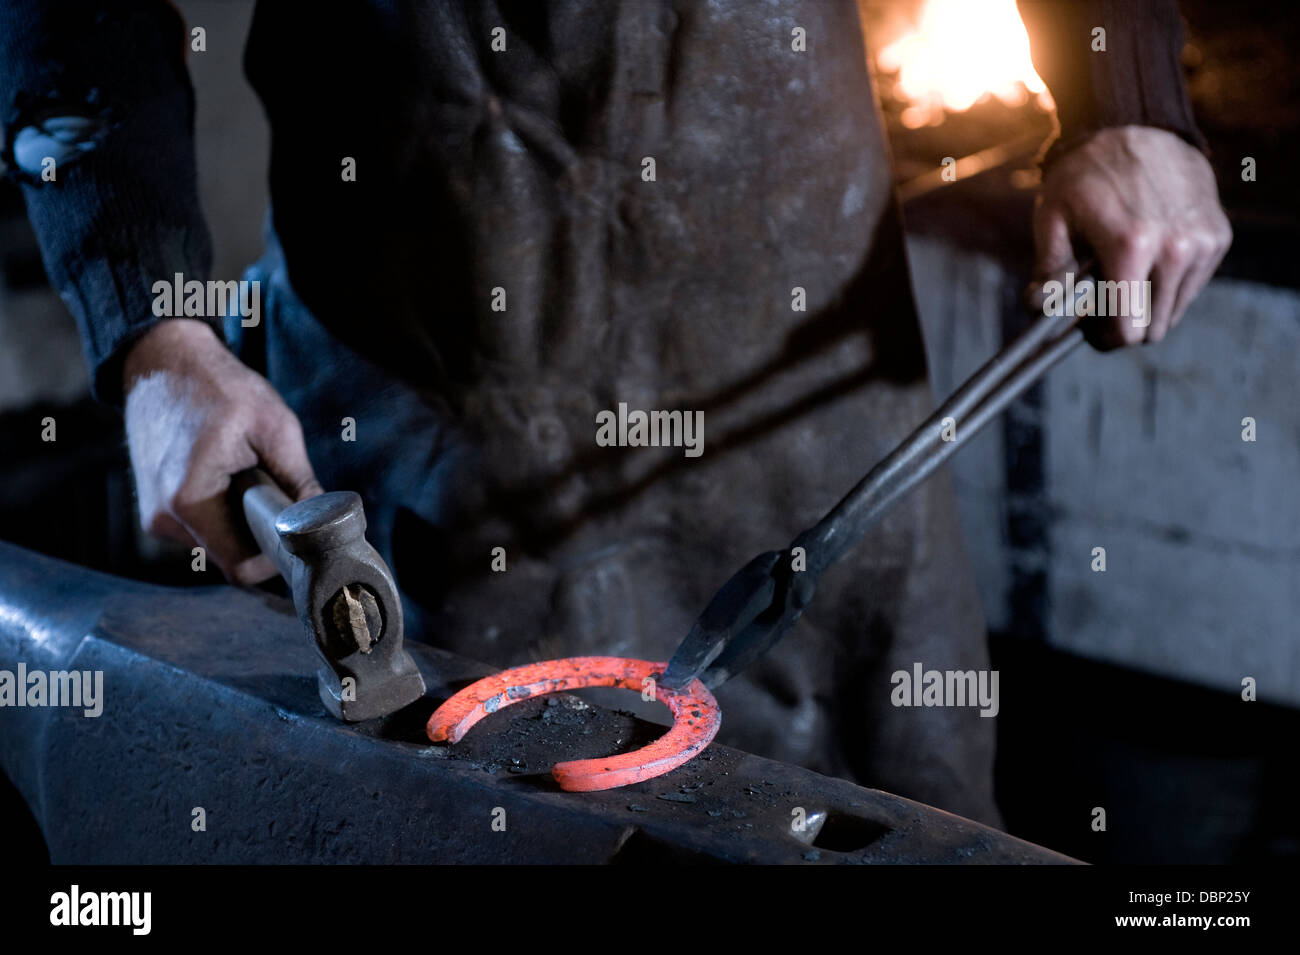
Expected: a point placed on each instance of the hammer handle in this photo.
(262, 501)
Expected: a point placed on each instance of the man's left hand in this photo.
(1145, 203)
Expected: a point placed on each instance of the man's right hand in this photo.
(195, 415)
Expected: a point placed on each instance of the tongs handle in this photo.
(980, 399)
(762, 601)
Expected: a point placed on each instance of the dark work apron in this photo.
(476, 428)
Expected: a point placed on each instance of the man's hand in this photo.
(1146, 204)
(195, 415)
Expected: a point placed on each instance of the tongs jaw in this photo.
(751, 612)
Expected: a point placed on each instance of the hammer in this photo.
(344, 593)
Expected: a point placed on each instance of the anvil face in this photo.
(208, 713)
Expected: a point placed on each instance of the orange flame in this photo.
(961, 52)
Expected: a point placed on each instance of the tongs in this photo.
(764, 599)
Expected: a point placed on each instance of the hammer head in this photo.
(347, 599)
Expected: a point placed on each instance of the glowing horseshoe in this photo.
(696, 716)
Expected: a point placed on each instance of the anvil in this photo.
(213, 746)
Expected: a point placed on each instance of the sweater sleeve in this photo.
(98, 113)
(1136, 80)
